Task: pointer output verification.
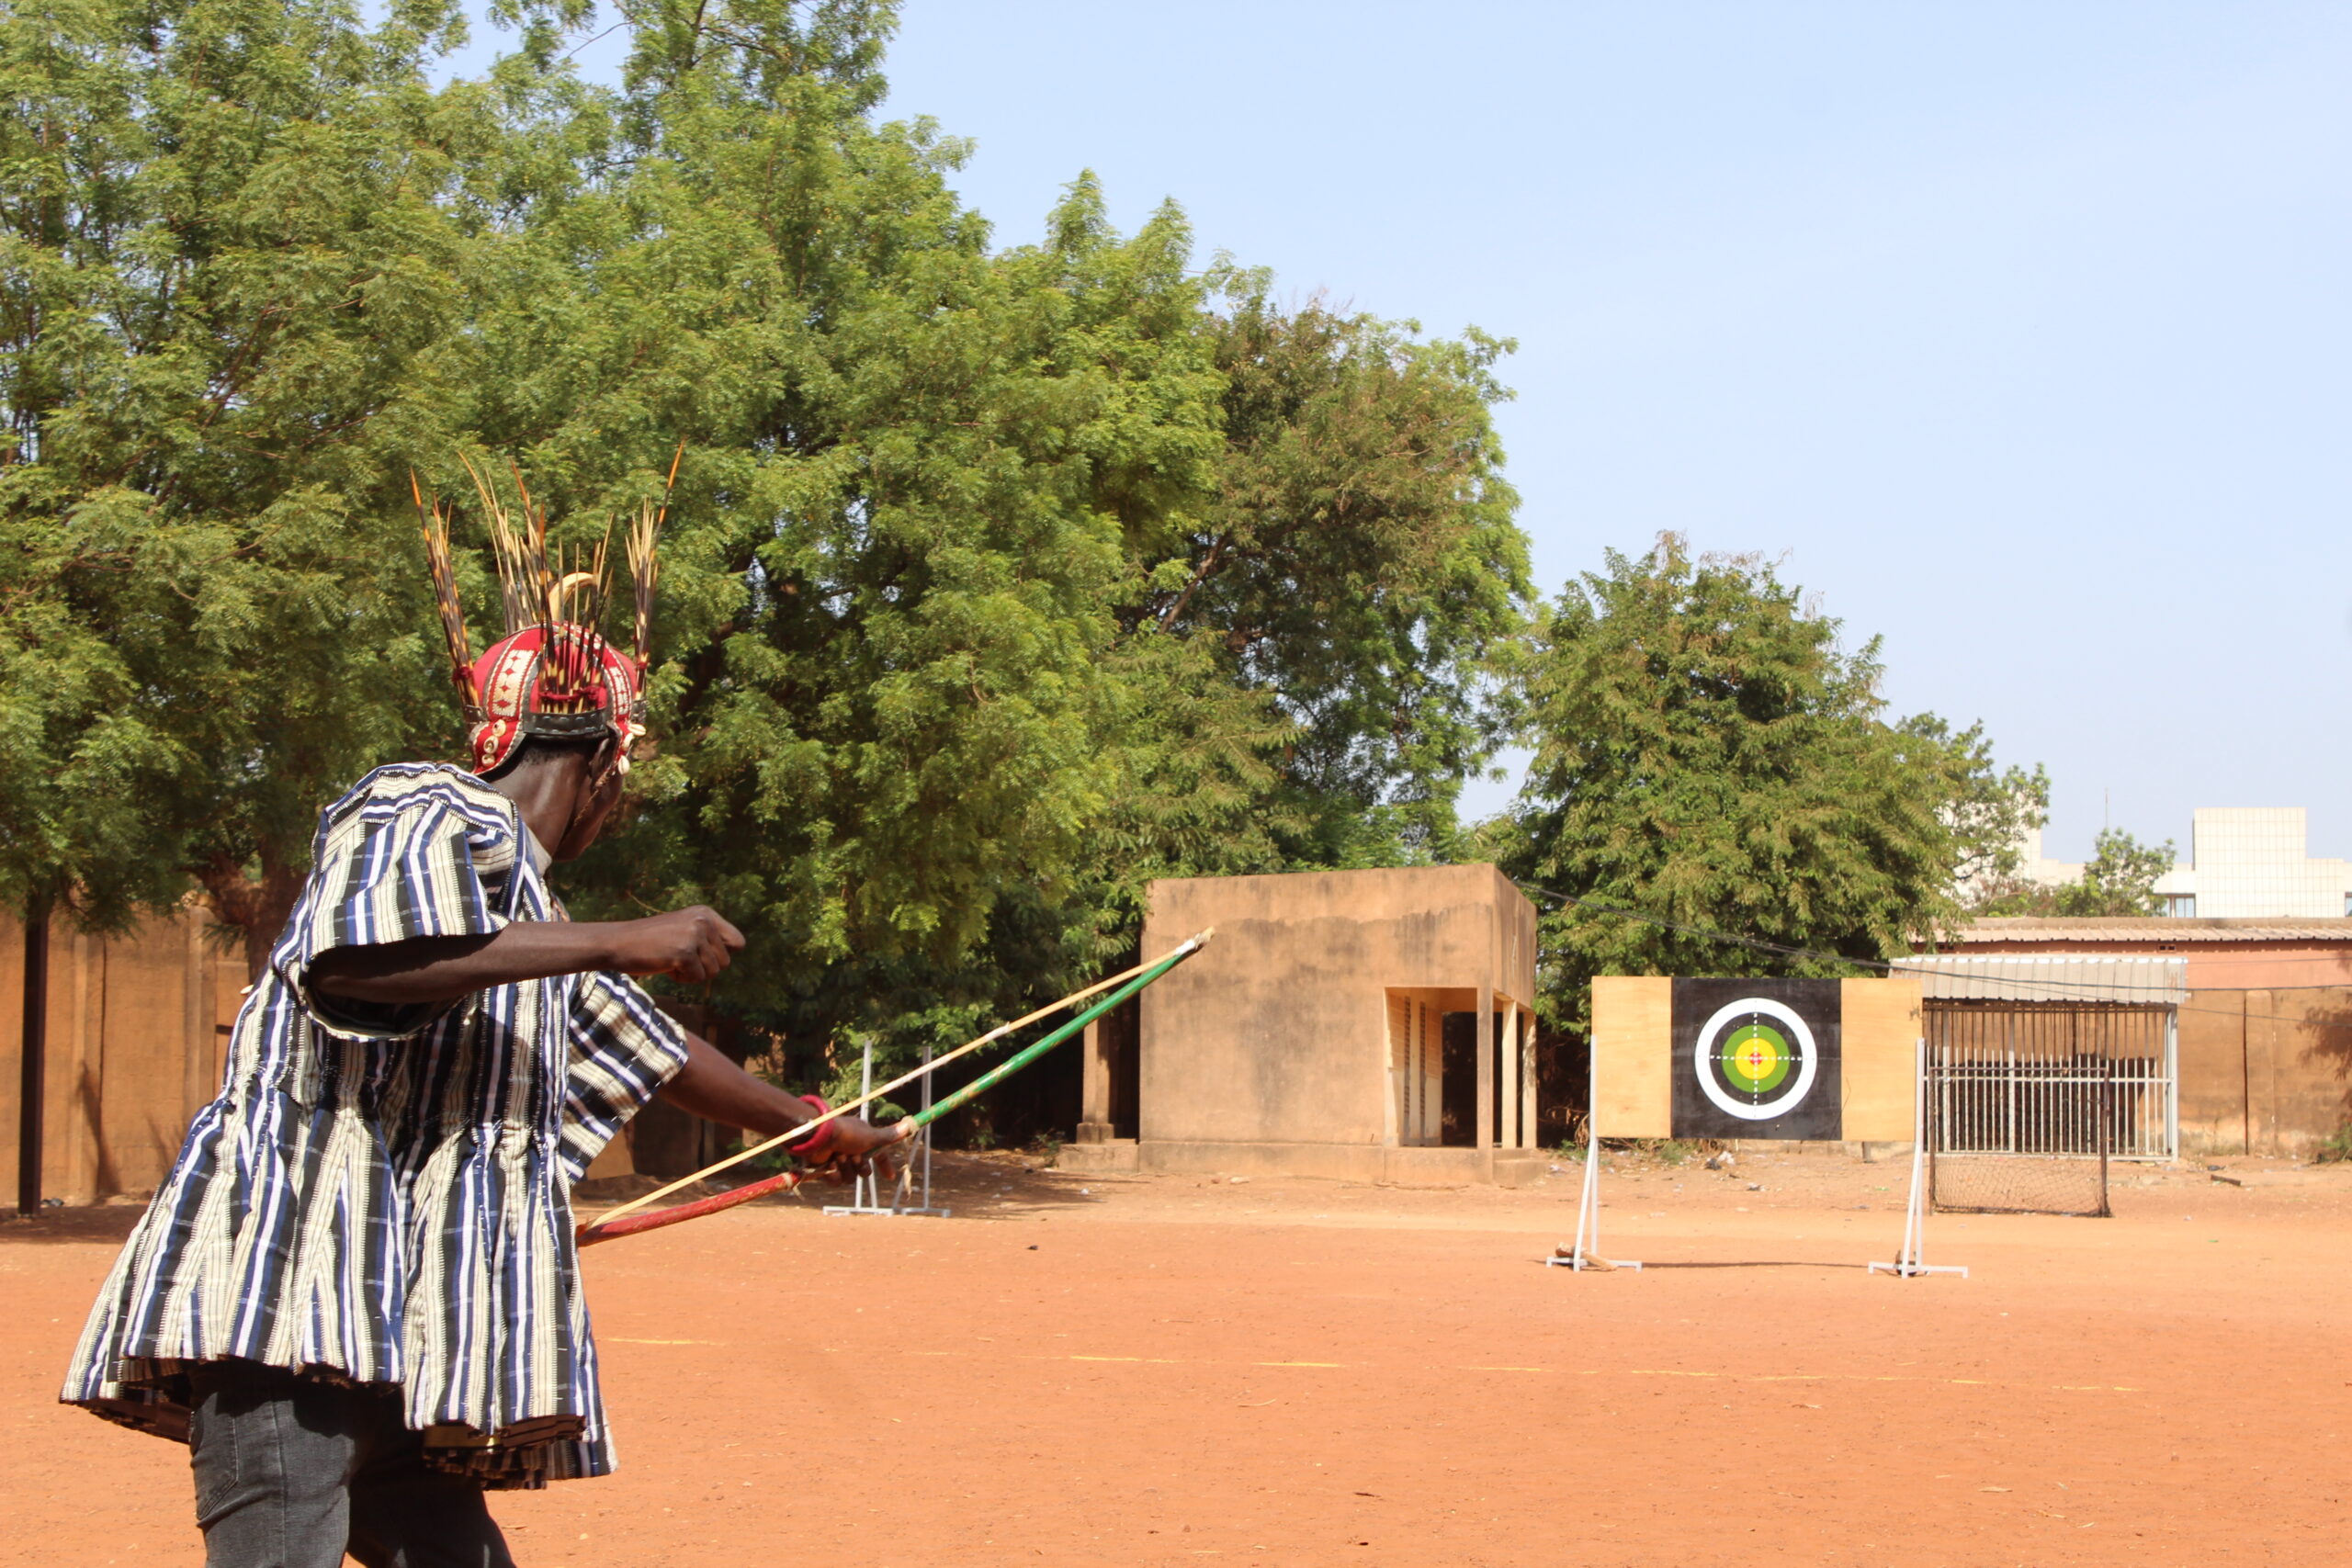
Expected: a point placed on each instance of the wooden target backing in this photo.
(1706, 1058)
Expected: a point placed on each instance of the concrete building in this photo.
(2239, 1030)
(2251, 864)
(1370, 1025)
(2246, 863)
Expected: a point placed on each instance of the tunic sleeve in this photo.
(624, 1048)
(406, 854)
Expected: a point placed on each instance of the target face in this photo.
(1756, 1058)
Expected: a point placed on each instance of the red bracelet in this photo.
(813, 1152)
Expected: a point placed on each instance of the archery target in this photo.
(1756, 1059)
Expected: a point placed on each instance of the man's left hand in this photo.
(858, 1148)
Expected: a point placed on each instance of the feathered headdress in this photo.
(553, 673)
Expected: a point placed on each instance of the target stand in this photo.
(1908, 1263)
(1585, 1253)
(1791, 1060)
(865, 1193)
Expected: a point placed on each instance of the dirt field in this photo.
(1160, 1371)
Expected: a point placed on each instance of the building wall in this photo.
(2265, 1027)
(137, 1044)
(1278, 1031)
(2311, 953)
(2250, 863)
(2264, 1071)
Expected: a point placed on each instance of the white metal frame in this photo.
(1585, 1253)
(2045, 1103)
(2172, 1080)
(866, 1191)
(1910, 1262)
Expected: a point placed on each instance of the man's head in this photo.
(562, 682)
(552, 703)
(566, 788)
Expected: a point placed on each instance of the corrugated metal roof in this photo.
(2055, 978)
(2158, 928)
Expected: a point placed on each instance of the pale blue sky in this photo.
(2019, 333)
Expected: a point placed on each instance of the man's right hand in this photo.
(691, 944)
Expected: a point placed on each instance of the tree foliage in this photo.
(1710, 759)
(998, 579)
(233, 241)
(2119, 879)
(1358, 562)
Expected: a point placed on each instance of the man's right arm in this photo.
(692, 946)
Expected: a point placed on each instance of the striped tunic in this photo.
(381, 1195)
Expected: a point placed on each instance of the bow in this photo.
(625, 1221)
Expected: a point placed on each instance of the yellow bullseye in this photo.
(1755, 1060)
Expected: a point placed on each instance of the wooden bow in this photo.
(626, 1221)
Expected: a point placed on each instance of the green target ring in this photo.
(1756, 1058)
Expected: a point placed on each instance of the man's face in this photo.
(602, 781)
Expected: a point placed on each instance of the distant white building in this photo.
(2245, 862)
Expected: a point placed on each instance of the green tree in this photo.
(2120, 879)
(889, 708)
(1359, 562)
(1708, 755)
(233, 234)
(1306, 653)
(974, 608)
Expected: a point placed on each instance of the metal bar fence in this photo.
(2028, 1102)
(2052, 1079)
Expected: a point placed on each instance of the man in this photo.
(357, 1295)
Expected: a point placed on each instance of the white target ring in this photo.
(1808, 1060)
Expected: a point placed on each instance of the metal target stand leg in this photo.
(865, 1193)
(1907, 1263)
(1587, 1254)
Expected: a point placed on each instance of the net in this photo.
(2018, 1184)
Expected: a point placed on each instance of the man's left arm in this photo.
(711, 1086)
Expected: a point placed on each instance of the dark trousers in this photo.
(291, 1472)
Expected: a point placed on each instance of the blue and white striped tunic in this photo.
(382, 1194)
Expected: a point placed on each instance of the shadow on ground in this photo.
(105, 1223)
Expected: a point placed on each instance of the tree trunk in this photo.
(257, 908)
(33, 1085)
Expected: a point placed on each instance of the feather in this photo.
(435, 524)
(509, 549)
(564, 590)
(644, 567)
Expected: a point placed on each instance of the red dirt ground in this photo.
(1150, 1370)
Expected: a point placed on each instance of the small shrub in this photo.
(1666, 1150)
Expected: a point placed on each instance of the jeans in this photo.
(291, 1472)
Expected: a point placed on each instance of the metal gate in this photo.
(2051, 1078)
